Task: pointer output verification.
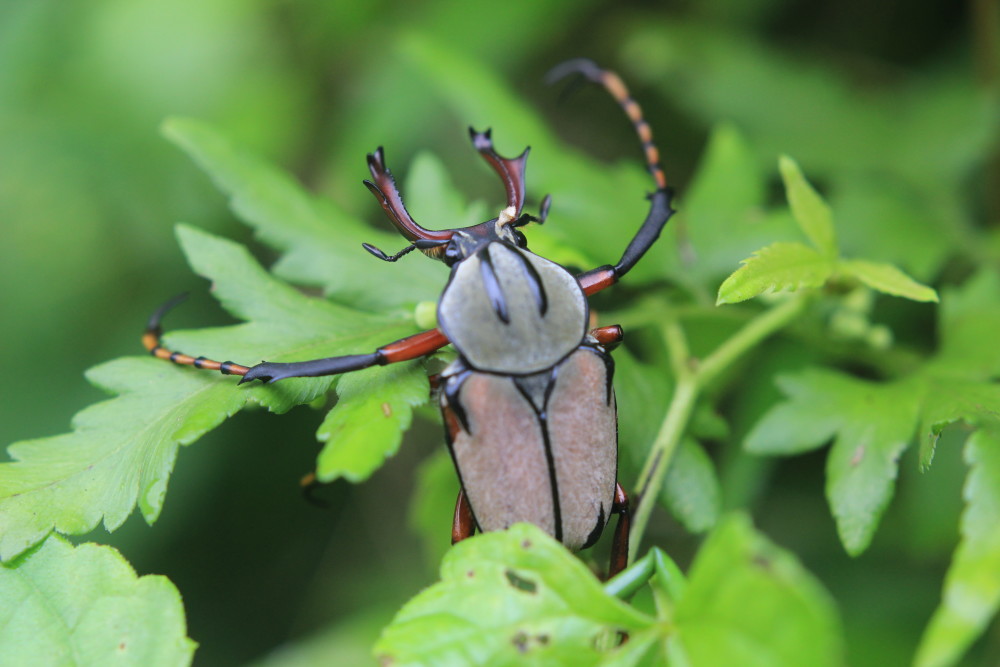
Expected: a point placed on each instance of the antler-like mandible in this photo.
(385, 190)
(511, 170)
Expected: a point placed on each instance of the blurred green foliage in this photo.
(891, 111)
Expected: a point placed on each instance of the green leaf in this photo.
(950, 400)
(642, 391)
(872, 425)
(887, 278)
(748, 602)
(321, 244)
(775, 268)
(122, 450)
(810, 211)
(972, 587)
(509, 597)
(960, 376)
(84, 605)
(367, 424)
(691, 488)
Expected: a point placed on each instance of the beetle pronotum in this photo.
(528, 405)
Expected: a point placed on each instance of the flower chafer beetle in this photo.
(528, 405)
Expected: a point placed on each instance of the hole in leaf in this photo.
(520, 583)
(520, 642)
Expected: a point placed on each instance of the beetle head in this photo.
(454, 245)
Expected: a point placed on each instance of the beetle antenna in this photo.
(616, 87)
(388, 258)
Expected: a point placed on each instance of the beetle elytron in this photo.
(528, 406)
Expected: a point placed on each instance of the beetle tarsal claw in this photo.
(262, 371)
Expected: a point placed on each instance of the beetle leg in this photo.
(411, 347)
(463, 525)
(619, 546)
(609, 337)
(604, 276)
(404, 349)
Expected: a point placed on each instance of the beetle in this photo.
(528, 405)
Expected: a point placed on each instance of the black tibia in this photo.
(659, 213)
(404, 349)
(602, 277)
(272, 372)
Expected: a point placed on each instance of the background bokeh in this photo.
(871, 98)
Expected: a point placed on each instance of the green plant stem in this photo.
(750, 335)
(658, 462)
(691, 380)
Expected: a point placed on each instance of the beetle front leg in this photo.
(604, 276)
(404, 349)
(619, 545)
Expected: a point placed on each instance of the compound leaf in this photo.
(888, 279)
(84, 605)
(810, 210)
(122, 450)
(367, 424)
(871, 425)
(506, 598)
(775, 268)
(321, 244)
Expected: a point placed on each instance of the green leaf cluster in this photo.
(518, 597)
(791, 266)
(713, 401)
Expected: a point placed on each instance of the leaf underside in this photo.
(84, 605)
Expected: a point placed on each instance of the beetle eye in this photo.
(520, 239)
